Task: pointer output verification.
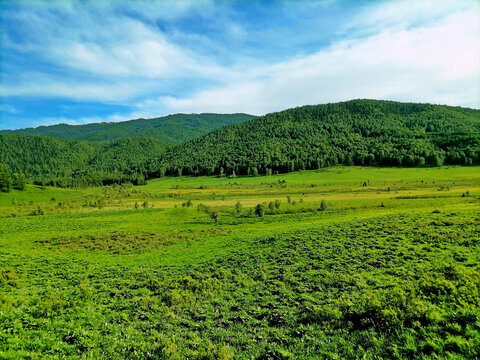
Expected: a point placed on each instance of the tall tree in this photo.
(19, 181)
(5, 179)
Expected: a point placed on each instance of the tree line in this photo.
(10, 181)
(72, 163)
(174, 129)
(359, 132)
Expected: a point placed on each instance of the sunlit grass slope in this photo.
(387, 267)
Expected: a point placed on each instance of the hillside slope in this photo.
(357, 132)
(174, 129)
(48, 159)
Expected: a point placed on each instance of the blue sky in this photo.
(90, 61)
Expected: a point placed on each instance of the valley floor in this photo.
(343, 262)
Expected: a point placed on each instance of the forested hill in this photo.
(52, 161)
(357, 132)
(174, 129)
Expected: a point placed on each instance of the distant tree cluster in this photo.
(359, 132)
(11, 181)
(70, 163)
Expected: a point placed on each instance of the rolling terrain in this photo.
(343, 262)
(338, 231)
(70, 163)
(360, 132)
(357, 132)
(174, 129)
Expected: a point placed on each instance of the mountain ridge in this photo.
(67, 163)
(175, 128)
(354, 132)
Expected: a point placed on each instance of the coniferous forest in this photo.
(353, 133)
(358, 132)
(173, 129)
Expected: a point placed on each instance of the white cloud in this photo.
(100, 52)
(422, 51)
(437, 63)
(9, 109)
(403, 14)
(137, 50)
(38, 84)
(106, 43)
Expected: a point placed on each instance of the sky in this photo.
(78, 62)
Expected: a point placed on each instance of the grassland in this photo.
(388, 267)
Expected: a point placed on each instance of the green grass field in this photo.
(388, 267)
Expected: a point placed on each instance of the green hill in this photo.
(357, 132)
(174, 129)
(78, 162)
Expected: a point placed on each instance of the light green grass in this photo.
(96, 278)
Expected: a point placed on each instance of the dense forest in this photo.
(357, 132)
(65, 163)
(174, 129)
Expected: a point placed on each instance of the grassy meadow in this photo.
(338, 263)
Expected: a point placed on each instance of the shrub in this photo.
(214, 214)
(238, 208)
(260, 210)
(323, 206)
(277, 204)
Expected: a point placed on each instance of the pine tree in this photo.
(5, 179)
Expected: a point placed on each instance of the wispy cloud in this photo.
(98, 52)
(437, 63)
(196, 56)
(9, 109)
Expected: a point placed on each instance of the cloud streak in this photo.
(207, 56)
(437, 63)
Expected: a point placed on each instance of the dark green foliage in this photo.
(358, 132)
(173, 129)
(130, 155)
(19, 181)
(5, 178)
(67, 163)
(260, 210)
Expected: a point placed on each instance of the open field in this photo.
(387, 267)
